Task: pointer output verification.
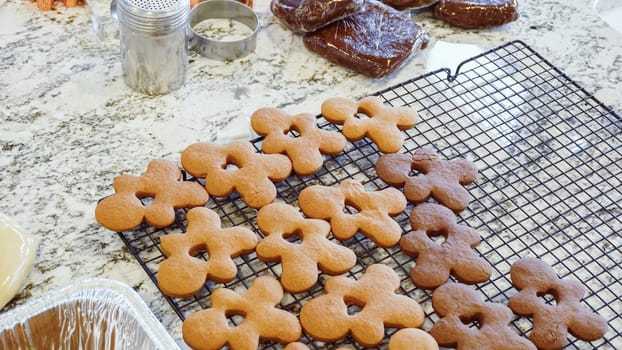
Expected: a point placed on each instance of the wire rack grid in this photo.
(549, 156)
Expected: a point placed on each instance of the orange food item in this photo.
(70, 3)
(47, 5)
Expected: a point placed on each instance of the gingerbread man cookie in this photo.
(382, 124)
(458, 305)
(209, 329)
(403, 339)
(305, 151)
(124, 211)
(440, 179)
(373, 218)
(551, 323)
(412, 339)
(279, 221)
(237, 167)
(182, 274)
(435, 262)
(296, 346)
(326, 317)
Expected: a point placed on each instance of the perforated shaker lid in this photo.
(154, 16)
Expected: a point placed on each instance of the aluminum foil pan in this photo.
(90, 314)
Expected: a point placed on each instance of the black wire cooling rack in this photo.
(550, 185)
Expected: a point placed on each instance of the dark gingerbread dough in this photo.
(374, 42)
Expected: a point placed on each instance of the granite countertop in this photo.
(69, 124)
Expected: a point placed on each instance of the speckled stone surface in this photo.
(68, 123)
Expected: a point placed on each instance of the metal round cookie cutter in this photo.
(223, 49)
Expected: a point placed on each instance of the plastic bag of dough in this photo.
(311, 15)
(409, 4)
(374, 42)
(476, 14)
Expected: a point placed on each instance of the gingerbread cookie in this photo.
(382, 124)
(124, 211)
(182, 274)
(551, 323)
(373, 218)
(435, 262)
(237, 167)
(296, 346)
(412, 339)
(326, 317)
(209, 328)
(305, 151)
(458, 306)
(279, 221)
(440, 179)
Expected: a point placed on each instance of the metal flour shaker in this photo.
(154, 50)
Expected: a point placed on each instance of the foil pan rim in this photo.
(94, 289)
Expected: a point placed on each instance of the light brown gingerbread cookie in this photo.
(459, 305)
(280, 222)
(552, 322)
(305, 151)
(369, 117)
(373, 216)
(182, 274)
(440, 179)
(296, 346)
(412, 339)
(237, 167)
(209, 329)
(124, 211)
(455, 256)
(326, 317)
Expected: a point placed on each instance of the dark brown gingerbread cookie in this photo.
(440, 179)
(435, 262)
(551, 323)
(458, 305)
